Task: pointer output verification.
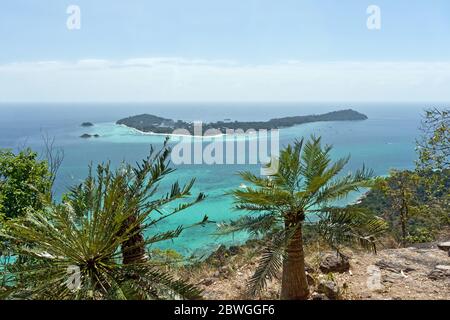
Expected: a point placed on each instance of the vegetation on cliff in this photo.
(415, 204)
(155, 124)
(434, 145)
(25, 183)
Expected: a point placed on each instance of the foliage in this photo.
(87, 231)
(420, 198)
(24, 183)
(434, 145)
(303, 190)
(420, 235)
(399, 188)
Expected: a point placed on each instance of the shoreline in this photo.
(156, 125)
(150, 133)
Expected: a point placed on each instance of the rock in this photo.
(309, 269)
(437, 274)
(87, 136)
(334, 263)
(443, 268)
(440, 272)
(225, 271)
(392, 278)
(319, 296)
(235, 250)
(329, 289)
(445, 246)
(219, 256)
(207, 282)
(393, 266)
(253, 243)
(87, 124)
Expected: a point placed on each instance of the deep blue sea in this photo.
(383, 142)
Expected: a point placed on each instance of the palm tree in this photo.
(304, 189)
(92, 245)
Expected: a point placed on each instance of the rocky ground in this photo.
(409, 273)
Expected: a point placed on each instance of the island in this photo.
(159, 125)
(87, 136)
(87, 124)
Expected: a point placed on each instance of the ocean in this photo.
(383, 142)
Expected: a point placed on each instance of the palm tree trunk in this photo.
(294, 285)
(133, 250)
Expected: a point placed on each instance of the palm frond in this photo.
(289, 167)
(166, 286)
(256, 226)
(315, 160)
(264, 198)
(339, 188)
(350, 226)
(269, 265)
(93, 228)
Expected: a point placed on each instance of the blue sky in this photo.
(188, 43)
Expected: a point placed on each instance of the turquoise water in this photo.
(383, 142)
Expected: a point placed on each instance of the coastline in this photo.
(150, 133)
(156, 125)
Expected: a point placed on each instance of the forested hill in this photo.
(155, 124)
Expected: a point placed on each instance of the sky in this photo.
(224, 50)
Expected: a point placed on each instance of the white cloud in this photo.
(178, 79)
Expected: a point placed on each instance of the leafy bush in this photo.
(91, 246)
(25, 182)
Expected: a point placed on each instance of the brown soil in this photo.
(404, 275)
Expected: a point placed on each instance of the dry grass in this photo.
(226, 280)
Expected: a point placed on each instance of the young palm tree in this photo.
(306, 186)
(92, 245)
